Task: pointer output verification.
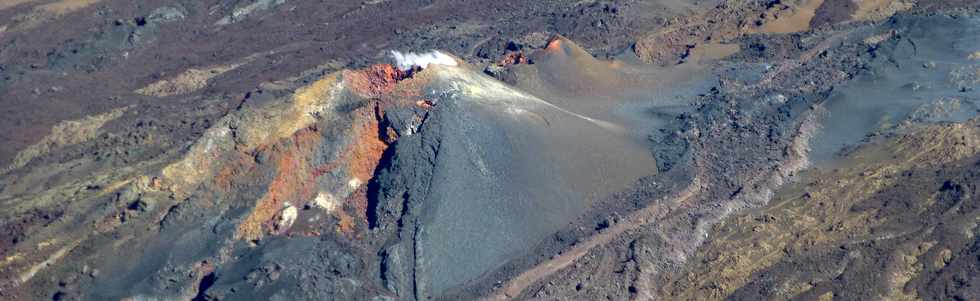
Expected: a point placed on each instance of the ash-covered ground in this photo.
(489, 150)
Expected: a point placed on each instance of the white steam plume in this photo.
(405, 61)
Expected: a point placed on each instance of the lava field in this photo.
(490, 150)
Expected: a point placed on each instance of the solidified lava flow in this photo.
(489, 150)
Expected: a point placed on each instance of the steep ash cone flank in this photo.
(489, 150)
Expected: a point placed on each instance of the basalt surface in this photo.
(495, 150)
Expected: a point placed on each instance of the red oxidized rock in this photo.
(374, 81)
(514, 58)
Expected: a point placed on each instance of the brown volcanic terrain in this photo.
(885, 224)
(453, 149)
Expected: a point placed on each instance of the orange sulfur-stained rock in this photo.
(514, 58)
(293, 182)
(374, 81)
(234, 167)
(554, 45)
(299, 172)
(425, 104)
(367, 146)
